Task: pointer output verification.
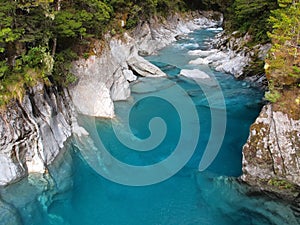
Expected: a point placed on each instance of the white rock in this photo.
(120, 89)
(144, 68)
(234, 66)
(276, 147)
(78, 130)
(218, 56)
(93, 99)
(101, 81)
(195, 74)
(31, 136)
(128, 74)
(202, 53)
(35, 165)
(200, 61)
(120, 51)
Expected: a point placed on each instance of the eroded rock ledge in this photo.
(105, 76)
(271, 156)
(33, 131)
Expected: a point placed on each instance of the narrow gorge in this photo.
(49, 140)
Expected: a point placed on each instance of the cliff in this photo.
(105, 76)
(33, 131)
(272, 153)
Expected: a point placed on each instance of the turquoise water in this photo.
(78, 195)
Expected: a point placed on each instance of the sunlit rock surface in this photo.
(272, 153)
(33, 132)
(105, 76)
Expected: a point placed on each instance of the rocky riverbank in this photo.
(105, 76)
(33, 131)
(271, 154)
(230, 54)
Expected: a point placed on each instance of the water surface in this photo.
(79, 195)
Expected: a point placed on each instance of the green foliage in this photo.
(281, 184)
(284, 58)
(7, 35)
(272, 96)
(251, 16)
(68, 25)
(62, 65)
(3, 68)
(220, 5)
(34, 33)
(283, 62)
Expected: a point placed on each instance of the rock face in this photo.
(230, 54)
(105, 76)
(271, 156)
(9, 215)
(33, 132)
(153, 35)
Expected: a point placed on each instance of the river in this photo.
(196, 128)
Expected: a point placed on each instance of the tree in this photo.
(252, 16)
(284, 58)
(283, 63)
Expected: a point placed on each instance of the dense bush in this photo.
(37, 36)
(251, 16)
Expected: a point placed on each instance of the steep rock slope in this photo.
(271, 156)
(32, 132)
(104, 77)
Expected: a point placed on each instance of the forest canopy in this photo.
(40, 38)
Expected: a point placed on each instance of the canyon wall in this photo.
(105, 76)
(271, 156)
(33, 131)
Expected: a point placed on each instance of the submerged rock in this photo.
(9, 215)
(194, 74)
(271, 155)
